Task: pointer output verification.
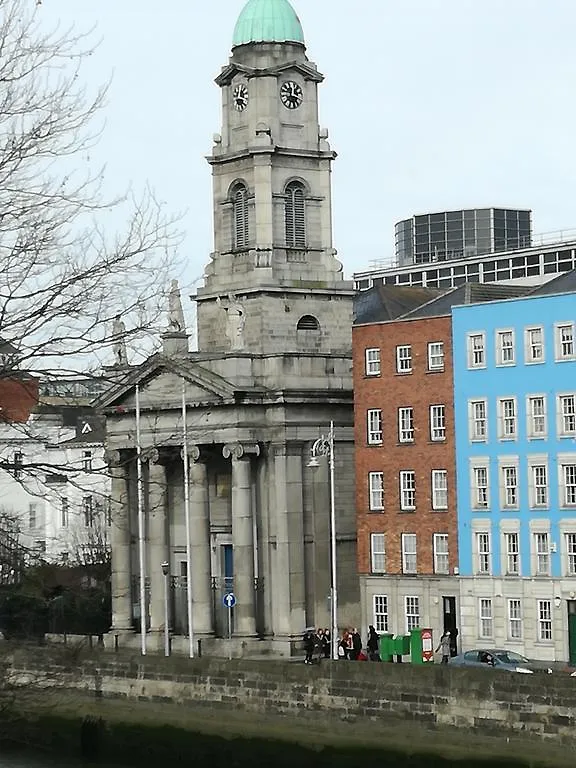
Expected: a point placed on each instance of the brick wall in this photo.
(506, 703)
(390, 391)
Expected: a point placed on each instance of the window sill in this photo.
(374, 445)
(372, 375)
(375, 511)
(570, 359)
(407, 511)
(408, 442)
(435, 370)
(403, 373)
(505, 365)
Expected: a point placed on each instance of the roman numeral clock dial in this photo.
(291, 95)
(240, 97)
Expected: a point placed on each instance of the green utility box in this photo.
(421, 646)
(401, 645)
(387, 647)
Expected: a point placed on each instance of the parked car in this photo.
(499, 658)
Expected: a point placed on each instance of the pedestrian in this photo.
(444, 647)
(373, 644)
(356, 644)
(326, 643)
(343, 646)
(309, 645)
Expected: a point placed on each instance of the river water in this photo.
(17, 760)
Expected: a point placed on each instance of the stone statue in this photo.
(118, 334)
(235, 321)
(176, 322)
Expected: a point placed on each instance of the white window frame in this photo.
(566, 414)
(407, 480)
(412, 612)
(406, 424)
(378, 553)
(545, 624)
(480, 490)
(534, 352)
(404, 358)
(476, 352)
(536, 417)
(441, 553)
(570, 546)
(375, 491)
(372, 361)
(564, 345)
(505, 347)
(538, 483)
(507, 419)
(484, 553)
(33, 517)
(409, 553)
(509, 484)
(380, 613)
(437, 423)
(514, 619)
(374, 426)
(478, 420)
(435, 355)
(439, 481)
(485, 618)
(541, 548)
(512, 549)
(567, 481)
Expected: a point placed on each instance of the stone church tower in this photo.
(273, 369)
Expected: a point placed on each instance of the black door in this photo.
(572, 632)
(450, 625)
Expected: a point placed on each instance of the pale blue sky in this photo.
(431, 105)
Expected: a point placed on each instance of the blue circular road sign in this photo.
(229, 600)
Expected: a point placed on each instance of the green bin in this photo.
(401, 645)
(387, 647)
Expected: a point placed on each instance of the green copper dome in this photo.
(268, 21)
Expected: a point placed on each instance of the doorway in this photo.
(449, 622)
(571, 632)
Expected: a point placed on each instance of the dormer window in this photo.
(295, 215)
(240, 216)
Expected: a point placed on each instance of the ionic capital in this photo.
(240, 450)
(113, 458)
(193, 451)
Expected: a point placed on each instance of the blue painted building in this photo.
(515, 429)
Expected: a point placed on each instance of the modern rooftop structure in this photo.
(547, 257)
(457, 234)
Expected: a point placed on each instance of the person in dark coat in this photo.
(373, 644)
(356, 645)
(327, 644)
(309, 645)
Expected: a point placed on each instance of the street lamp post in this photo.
(324, 446)
(166, 571)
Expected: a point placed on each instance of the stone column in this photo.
(281, 573)
(200, 543)
(120, 545)
(157, 537)
(243, 537)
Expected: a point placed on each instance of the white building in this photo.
(54, 487)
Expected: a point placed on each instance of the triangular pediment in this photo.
(160, 382)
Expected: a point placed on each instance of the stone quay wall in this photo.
(539, 705)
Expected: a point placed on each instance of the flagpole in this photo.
(188, 531)
(141, 532)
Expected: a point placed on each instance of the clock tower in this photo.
(273, 283)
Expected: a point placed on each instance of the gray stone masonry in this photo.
(537, 706)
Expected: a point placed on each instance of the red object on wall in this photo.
(427, 645)
(18, 398)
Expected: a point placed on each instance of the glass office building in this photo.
(461, 234)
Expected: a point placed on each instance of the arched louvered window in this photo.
(308, 323)
(240, 216)
(295, 215)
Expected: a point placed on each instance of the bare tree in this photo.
(65, 274)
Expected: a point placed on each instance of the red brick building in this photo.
(405, 459)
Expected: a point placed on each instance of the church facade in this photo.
(221, 449)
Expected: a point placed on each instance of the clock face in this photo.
(240, 97)
(291, 94)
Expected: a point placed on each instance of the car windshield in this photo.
(509, 657)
